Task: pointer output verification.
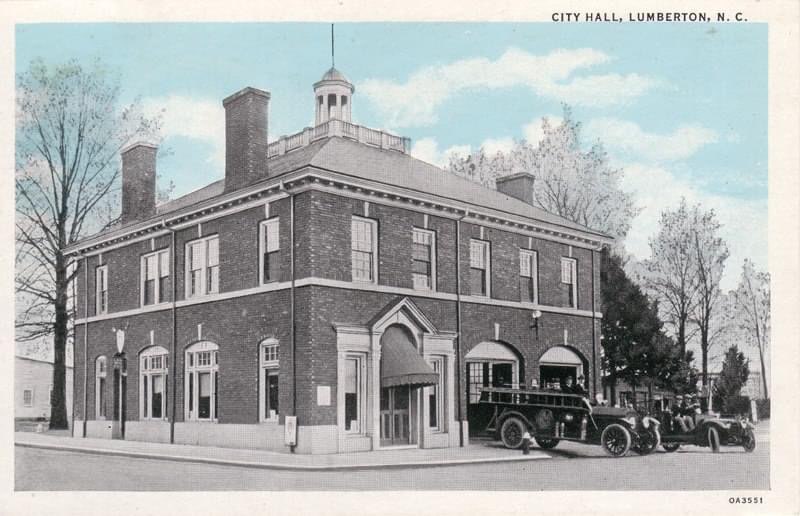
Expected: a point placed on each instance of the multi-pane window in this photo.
(153, 383)
(270, 370)
(202, 382)
(154, 277)
(423, 254)
(435, 396)
(100, 371)
(101, 289)
(569, 280)
(364, 252)
(27, 397)
(479, 267)
(353, 394)
(202, 266)
(270, 245)
(528, 275)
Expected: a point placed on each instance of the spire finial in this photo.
(333, 58)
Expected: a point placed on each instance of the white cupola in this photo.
(333, 97)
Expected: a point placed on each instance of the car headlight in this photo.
(631, 421)
(646, 422)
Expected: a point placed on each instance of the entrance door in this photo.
(395, 403)
(120, 388)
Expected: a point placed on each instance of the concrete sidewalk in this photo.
(483, 453)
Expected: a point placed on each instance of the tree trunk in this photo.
(682, 335)
(612, 383)
(704, 353)
(763, 370)
(58, 401)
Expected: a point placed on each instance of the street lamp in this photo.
(535, 315)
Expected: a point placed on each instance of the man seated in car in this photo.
(688, 412)
(579, 387)
(678, 413)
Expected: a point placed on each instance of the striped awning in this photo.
(400, 362)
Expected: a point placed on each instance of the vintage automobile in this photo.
(710, 431)
(551, 417)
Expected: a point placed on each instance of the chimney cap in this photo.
(133, 145)
(518, 175)
(245, 91)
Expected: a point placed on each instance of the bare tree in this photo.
(751, 312)
(711, 252)
(671, 271)
(568, 181)
(69, 133)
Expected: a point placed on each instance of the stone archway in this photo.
(559, 363)
(489, 364)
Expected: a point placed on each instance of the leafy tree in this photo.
(735, 370)
(750, 314)
(69, 133)
(577, 184)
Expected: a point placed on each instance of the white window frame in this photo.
(192, 369)
(373, 225)
(487, 260)
(361, 383)
(438, 364)
(569, 271)
(27, 403)
(269, 366)
(432, 236)
(532, 259)
(203, 291)
(160, 273)
(146, 374)
(101, 285)
(264, 229)
(100, 374)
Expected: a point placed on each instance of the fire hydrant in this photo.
(526, 443)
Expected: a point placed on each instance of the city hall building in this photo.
(330, 281)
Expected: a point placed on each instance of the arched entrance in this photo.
(403, 373)
(489, 364)
(559, 363)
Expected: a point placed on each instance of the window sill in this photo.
(269, 421)
(162, 303)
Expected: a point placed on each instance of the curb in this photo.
(279, 466)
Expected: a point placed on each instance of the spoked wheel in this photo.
(616, 440)
(713, 439)
(671, 447)
(648, 441)
(749, 440)
(511, 432)
(546, 444)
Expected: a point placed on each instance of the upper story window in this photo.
(269, 247)
(423, 256)
(364, 249)
(202, 266)
(479, 267)
(154, 276)
(101, 289)
(202, 382)
(270, 370)
(100, 371)
(528, 276)
(569, 279)
(27, 397)
(153, 383)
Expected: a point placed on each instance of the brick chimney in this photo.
(138, 182)
(245, 137)
(519, 186)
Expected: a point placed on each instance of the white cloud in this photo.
(629, 138)
(427, 149)
(197, 118)
(414, 103)
(533, 131)
(492, 146)
(744, 222)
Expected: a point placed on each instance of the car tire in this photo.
(511, 432)
(652, 440)
(546, 444)
(671, 447)
(713, 439)
(615, 440)
(749, 440)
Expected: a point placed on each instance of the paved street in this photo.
(572, 467)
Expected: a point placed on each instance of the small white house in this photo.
(33, 381)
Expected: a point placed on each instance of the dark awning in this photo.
(400, 362)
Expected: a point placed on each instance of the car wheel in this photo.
(671, 447)
(615, 440)
(511, 432)
(546, 444)
(713, 439)
(749, 440)
(648, 441)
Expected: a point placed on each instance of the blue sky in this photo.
(681, 107)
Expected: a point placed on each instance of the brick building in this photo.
(329, 276)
